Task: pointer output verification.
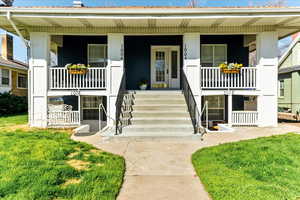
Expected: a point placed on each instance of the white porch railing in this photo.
(63, 118)
(95, 78)
(244, 118)
(213, 77)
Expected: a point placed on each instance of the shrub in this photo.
(11, 104)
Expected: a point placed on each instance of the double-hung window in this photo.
(22, 80)
(212, 55)
(5, 77)
(281, 88)
(97, 55)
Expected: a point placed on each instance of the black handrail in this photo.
(119, 104)
(191, 103)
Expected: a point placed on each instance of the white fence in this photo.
(245, 118)
(95, 78)
(63, 118)
(213, 77)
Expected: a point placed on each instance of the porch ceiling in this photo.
(285, 20)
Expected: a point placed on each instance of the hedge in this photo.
(11, 104)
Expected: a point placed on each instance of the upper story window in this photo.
(97, 55)
(22, 80)
(213, 54)
(281, 88)
(5, 77)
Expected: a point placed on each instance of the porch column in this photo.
(267, 58)
(229, 108)
(191, 63)
(115, 69)
(38, 79)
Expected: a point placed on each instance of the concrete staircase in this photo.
(156, 113)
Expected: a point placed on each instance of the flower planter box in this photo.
(77, 71)
(231, 71)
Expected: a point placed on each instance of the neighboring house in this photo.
(289, 79)
(13, 74)
(170, 48)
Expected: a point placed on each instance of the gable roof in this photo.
(13, 64)
(288, 51)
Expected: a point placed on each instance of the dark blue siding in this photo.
(138, 56)
(236, 52)
(74, 48)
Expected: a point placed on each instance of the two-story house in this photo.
(176, 51)
(13, 73)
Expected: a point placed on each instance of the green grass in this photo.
(260, 169)
(13, 120)
(34, 164)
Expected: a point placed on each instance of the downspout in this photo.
(8, 16)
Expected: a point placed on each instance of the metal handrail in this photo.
(102, 107)
(119, 103)
(195, 114)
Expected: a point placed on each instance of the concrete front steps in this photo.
(158, 113)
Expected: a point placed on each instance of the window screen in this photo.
(213, 54)
(5, 77)
(22, 81)
(97, 55)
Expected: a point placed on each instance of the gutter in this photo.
(8, 16)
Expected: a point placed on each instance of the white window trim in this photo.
(279, 88)
(22, 74)
(214, 45)
(10, 78)
(105, 52)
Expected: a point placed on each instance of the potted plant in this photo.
(231, 68)
(143, 84)
(77, 68)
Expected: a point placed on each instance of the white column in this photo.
(115, 44)
(38, 72)
(191, 63)
(267, 57)
(229, 108)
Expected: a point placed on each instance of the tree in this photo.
(276, 3)
(193, 3)
(8, 2)
(273, 3)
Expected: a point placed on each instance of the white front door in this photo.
(165, 67)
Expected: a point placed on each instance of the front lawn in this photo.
(264, 168)
(13, 120)
(46, 164)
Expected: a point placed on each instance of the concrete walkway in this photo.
(161, 169)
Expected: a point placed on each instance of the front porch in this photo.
(157, 60)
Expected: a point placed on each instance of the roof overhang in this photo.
(152, 19)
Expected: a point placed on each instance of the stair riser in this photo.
(158, 130)
(160, 122)
(156, 96)
(159, 115)
(159, 101)
(160, 108)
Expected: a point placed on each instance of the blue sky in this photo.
(19, 48)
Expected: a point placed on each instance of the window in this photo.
(281, 88)
(213, 54)
(216, 107)
(90, 107)
(22, 81)
(5, 77)
(97, 55)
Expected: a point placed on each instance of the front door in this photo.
(165, 67)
